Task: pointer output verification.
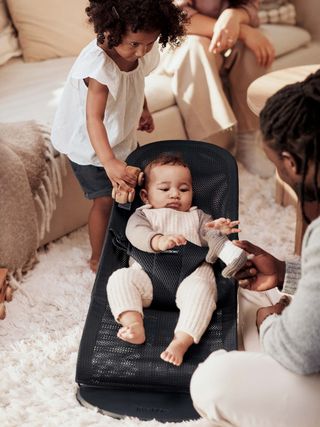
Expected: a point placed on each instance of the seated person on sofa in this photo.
(166, 220)
(223, 54)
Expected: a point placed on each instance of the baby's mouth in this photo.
(173, 205)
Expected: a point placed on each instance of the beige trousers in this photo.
(249, 388)
(246, 389)
(130, 289)
(211, 90)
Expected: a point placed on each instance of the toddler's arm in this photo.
(146, 121)
(95, 110)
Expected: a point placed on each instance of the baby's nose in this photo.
(174, 193)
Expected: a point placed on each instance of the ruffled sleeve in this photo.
(93, 62)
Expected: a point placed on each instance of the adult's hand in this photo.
(259, 44)
(277, 308)
(262, 272)
(225, 31)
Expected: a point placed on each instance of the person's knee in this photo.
(195, 41)
(211, 382)
(118, 278)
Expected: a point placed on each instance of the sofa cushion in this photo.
(286, 38)
(36, 96)
(159, 92)
(8, 41)
(50, 29)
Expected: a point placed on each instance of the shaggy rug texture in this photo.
(40, 336)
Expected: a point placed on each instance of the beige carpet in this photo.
(40, 336)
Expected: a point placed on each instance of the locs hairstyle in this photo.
(118, 16)
(290, 121)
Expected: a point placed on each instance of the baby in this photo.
(168, 219)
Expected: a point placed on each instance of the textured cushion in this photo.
(277, 12)
(286, 38)
(50, 29)
(8, 41)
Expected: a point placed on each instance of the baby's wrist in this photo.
(154, 243)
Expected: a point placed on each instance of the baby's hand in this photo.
(224, 225)
(169, 241)
(146, 121)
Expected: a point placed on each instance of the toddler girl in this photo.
(103, 101)
(166, 220)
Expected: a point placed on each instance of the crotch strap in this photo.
(167, 270)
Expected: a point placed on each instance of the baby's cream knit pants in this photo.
(130, 289)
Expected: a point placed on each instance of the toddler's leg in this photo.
(129, 290)
(196, 299)
(97, 225)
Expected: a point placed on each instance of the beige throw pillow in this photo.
(50, 28)
(9, 46)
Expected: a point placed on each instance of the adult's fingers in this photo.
(248, 247)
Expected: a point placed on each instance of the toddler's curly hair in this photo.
(118, 16)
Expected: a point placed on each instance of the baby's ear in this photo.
(144, 196)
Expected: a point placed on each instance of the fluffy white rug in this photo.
(40, 336)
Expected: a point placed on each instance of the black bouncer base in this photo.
(162, 406)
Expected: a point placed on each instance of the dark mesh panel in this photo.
(168, 269)
(106, 361)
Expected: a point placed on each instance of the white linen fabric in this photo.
(123, 110)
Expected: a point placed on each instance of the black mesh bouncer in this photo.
(123, 379)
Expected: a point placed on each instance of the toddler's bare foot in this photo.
(176, 349)
(93, 263)
(133, 333)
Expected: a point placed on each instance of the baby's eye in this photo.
(134, 44)
(184, 189)
(164, 189)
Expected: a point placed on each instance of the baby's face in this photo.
(169, 186)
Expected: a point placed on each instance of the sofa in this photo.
(40, 39)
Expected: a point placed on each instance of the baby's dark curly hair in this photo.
(118, 16)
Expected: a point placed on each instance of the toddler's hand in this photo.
(120, 194)
(119, 176)
(146, 121)
(224, 225)
(165, 242)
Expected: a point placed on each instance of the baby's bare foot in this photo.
(133, 333)
(175, 351)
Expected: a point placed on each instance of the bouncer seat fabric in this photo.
(107, 363)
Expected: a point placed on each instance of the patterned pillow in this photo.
(277, 12)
